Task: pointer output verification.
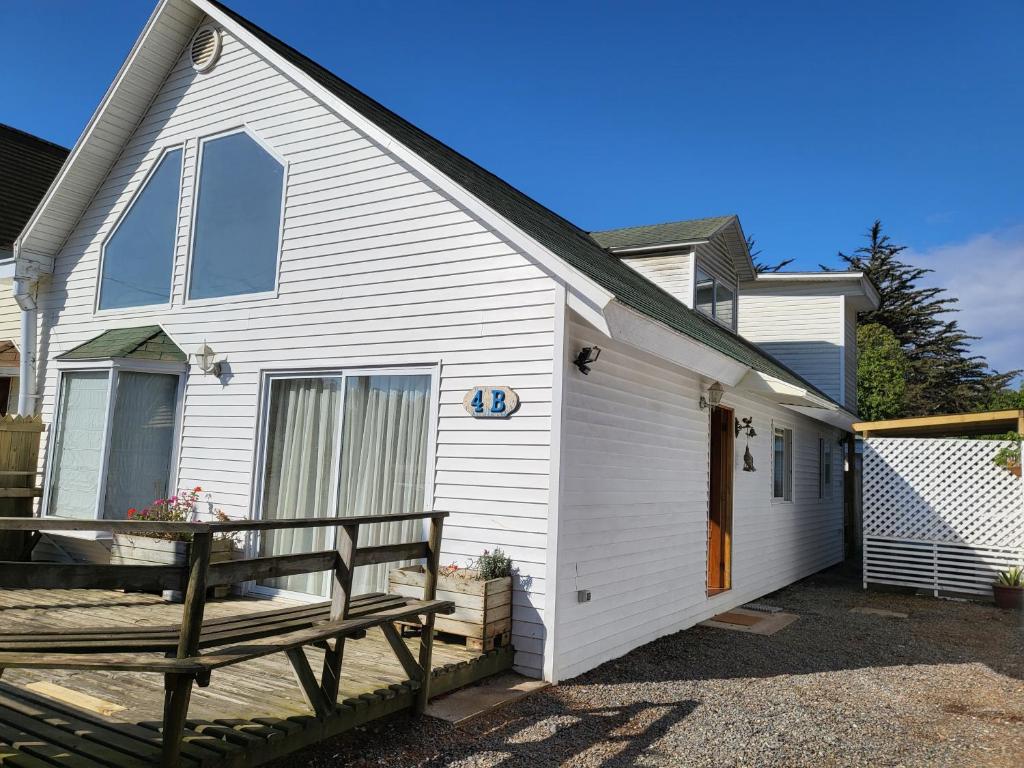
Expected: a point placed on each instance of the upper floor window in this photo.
(237, 228)
(714, 298)
(138, 257)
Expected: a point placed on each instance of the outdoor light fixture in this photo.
(587, 356)
(204, 357)
(712, 398)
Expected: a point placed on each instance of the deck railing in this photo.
(198, 574)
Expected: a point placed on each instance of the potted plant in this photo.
(1009, 459)
(1008, 589)
(481, 591)
(168, 548)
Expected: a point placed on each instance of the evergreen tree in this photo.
(881, 373)
(942, 375)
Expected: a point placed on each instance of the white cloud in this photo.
(986, 273)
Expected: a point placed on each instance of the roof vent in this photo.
(205, 48)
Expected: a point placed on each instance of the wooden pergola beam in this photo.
(949, 425)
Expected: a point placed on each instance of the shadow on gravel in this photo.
(828, 638)
(600, 736)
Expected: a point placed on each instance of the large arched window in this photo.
(138, 257)
(238, 219)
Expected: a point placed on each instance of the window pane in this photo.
(139, 256)
(238, 219)
(141, 442)
(384, 462)
(78, 444)
(705, 293)
(779, 466)
(723, 303)
(301, 437)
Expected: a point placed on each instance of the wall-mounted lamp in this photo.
(586, 356)
(712, 398)
(204, 357)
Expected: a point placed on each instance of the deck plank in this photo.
(249, 714)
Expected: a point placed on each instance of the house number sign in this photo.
(491, 402)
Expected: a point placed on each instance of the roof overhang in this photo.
(861, 291)
(799, 399)
(950, 425)
(642, 250)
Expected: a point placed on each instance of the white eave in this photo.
(855, 279)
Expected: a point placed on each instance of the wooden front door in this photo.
(720, 502)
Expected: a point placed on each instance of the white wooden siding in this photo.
(377, 268)
(850, 352)
(670, 272)
(634, 505)
(10, 315)
(800, 327)
(714, 257)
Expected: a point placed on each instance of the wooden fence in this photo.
(19, 457)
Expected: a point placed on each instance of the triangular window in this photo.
(138, 257)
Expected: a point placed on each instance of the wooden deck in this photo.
(250, 713)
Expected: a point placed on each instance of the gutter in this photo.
(25, 296)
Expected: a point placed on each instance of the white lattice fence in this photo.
(939, 514)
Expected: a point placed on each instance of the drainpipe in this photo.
(25, 295)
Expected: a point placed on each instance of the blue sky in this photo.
(808, 119)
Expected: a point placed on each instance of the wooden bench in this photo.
(194, 649)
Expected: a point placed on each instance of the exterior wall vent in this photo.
(205, 48)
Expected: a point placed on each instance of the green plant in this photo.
(493, 565)
(1008, 456)
(1011, 577)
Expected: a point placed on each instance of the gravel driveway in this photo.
(940, 688)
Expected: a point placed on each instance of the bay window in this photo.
(113, 440)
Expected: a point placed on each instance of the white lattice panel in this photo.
(941, 490)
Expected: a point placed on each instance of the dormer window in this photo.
(138, 257)
(714, 298)
(237, 237)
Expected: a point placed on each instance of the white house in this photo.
(356, 283)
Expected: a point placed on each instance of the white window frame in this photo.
(826, 468)
(715, 282)
(112, 368)
(787, 455)
(194, 212)
(267, 377)
(159, 306)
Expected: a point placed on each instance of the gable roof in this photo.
(562, 238)
(688, 231)
(148, 342)
(559, 235)
(27, 166)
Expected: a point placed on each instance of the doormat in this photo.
(754, 622)
(743, 619)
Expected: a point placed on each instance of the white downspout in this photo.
(25, 295)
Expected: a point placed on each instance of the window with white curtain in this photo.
(782, 464)
(344, 445)
(113, 443)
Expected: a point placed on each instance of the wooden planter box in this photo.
(146, 550)
(483, 609)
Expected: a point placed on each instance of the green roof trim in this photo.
(661, 234)
(146, 343)
(563, 238)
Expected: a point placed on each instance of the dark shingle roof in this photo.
(146, 343)
(559, 235)
(660, 234)
(27, 166)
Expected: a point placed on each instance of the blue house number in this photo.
(491, 402)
